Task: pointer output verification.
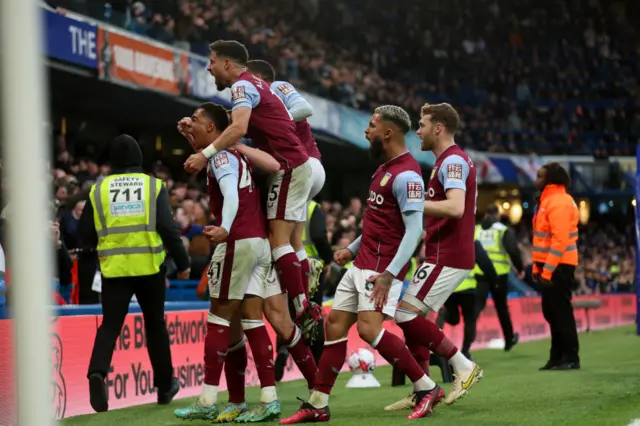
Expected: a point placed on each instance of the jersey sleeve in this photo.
(244, 94)
(223, 164)
(408, 188)
(286, 92)
(453, 173)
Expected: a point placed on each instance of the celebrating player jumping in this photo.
(369, 291)
(450, 209)
(260, 114)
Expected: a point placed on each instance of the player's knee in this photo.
(368, 330)
(334, 328)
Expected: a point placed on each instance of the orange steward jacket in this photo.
(555, 231)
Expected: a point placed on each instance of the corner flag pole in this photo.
(637, 226)
(30, 249)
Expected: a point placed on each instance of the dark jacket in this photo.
(318, 235)
(510, 244)
(126, 157)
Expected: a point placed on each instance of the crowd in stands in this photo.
(544, 76)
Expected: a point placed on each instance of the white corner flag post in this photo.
(25, 151)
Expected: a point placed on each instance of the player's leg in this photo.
(429, 289)
(288, 193)
(234, 371)
(340, 320)
(277, 312)
(227, 275)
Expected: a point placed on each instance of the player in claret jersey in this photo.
(369, 291)
(260, 114)
(450, 209)
(300, 110)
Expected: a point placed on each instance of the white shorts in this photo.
(353, 292)
(269, 287)
(236, 265)
(432, 285)
(288, 194)
(318, 177)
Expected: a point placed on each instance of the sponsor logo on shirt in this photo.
(414, 191)
(238, 93)
(285, 88)
(454, 171)
(220, 160)
(376, 198)
(385, 179)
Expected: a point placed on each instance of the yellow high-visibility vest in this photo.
(124, 211)
(309, 247)
(491, 240)
(470, 281)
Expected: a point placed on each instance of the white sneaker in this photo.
(462, 383)
(406, 403)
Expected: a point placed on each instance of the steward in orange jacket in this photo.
(555, 257)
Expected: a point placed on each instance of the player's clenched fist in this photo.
(341, 257)
(184, 128)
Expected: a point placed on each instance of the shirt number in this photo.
(125, 195)
(245, 175)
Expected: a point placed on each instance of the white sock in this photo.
(208, 396)
(319, 399)
(268, 394)
(424, 384)
(460, 363)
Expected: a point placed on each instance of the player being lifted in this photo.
(450, 209)
(260, 114)
(238, 271)
(300, 110)
(369, 291)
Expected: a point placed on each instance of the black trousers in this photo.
(464, 301)
(558, 312)
(499, 291)
(116, 296)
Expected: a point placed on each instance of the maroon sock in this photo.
(302, 356)
(288, 268)
(262, 350)
(305, 269)
(215, 351)
(392, 348)
(331, 363)
(422, 354)
(234, 371)
(421, 331)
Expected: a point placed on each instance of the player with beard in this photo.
(231, 188)
(260, 114)
(450, 209)
(369, 291)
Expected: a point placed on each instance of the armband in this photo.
(209, 151)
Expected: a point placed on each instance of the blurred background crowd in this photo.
(546, 77)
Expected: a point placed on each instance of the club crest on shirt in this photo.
(238, 93)
(414, 191)
(454, 171)
(385, 179)
(285, 88)
(433, 173)
(220, 160)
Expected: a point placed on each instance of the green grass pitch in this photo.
(605, 392)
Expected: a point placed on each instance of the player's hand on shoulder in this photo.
(341, 257)
(215, 234)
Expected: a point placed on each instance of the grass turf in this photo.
(605, 392)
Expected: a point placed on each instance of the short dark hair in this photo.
(556, 175)
(264, 68)
(492, 210)
(396, 115)
(216, 113)
(232, 49)
(444, 114)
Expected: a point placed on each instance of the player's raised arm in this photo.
(408, 190)
(258, 158)
(453, 176)
(296, 104)
(226, 170)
